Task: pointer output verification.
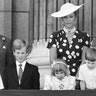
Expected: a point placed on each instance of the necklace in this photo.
(69, 36)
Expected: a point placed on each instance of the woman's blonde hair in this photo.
(60, 65)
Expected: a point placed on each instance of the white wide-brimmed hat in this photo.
(66, 9)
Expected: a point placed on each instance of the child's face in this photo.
(20, 55)
(90, 64)
(60, 75)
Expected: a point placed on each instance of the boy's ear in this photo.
(13, 53)
(27, 54)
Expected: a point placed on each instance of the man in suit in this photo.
(6, 54)
(21, 74)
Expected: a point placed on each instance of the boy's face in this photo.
(20, 55)
(90, 64)
(60, 75)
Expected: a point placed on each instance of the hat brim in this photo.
(63, 13)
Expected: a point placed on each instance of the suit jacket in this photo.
(6, 54)
(30, 78)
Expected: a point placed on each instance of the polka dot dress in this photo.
(72, 52)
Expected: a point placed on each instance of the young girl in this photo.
(87, 71)
(60, 78)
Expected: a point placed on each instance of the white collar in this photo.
(23, 64)
(68, 30)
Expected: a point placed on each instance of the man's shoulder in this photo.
(2, 37)
(9, 67)
(5, 40)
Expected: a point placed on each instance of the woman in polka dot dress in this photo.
(69, 43)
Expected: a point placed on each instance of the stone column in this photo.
(5, 17)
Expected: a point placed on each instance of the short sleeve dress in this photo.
(72, 52)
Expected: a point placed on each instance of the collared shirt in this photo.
(17, 66)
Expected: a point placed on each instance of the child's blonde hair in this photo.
(60, 65)
(19, 44)
(90, 54)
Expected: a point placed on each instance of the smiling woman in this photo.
(69, 43)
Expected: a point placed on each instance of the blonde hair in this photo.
(90, 54)
(19, 44)
(60, 65)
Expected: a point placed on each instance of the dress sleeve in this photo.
(86, 40)
(47, 83)
(52, 40)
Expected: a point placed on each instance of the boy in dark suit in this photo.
(21, 74)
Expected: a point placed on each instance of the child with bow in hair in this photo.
(60, 78)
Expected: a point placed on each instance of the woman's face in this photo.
(69, 21)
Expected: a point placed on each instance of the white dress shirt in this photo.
(23, 66)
